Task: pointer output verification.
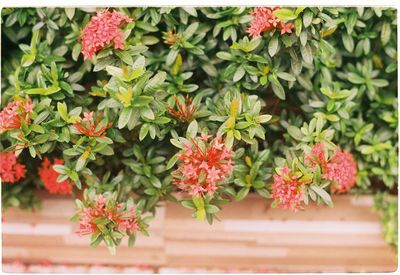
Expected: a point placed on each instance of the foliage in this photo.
(121, 119)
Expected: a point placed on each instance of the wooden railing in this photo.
(250, 235)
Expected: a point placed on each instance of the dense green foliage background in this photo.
(339, 67)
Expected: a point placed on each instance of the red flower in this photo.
(12, 115)
(287, 191)
(102, 30)
(342, 170)
(124, 221)
(90, 127)
(264, 20)
(10, 170)
(49, 178)
(204, 164)
(185, 112)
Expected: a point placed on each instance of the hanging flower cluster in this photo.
(90, 127)
(102, 30)
(103, 212)
(14, 113)
(49, 178)
(10, 170)
(341, 168)
(287, 190)
(204, 164)
(264, 20)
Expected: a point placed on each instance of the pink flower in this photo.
(204, 137)
(264, 20)
(286, 28)
(124, 221)
(87, 116)
(102, 30)
(203, 165)
(49, 178)
(316, 156)
(12, 115)
(287, 191)
(92, 128)
(342, 170)
(10, 170)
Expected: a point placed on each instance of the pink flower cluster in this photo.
(102, 30)
(91, 127)
(316, 156)
(264, 20)
(340, 168)
(12, 115)
(122, 220)
(49, 178)
(10, 170)
(286, 190)
(204, 164)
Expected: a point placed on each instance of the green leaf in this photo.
(348, 42)
(155, 82)
(124, 117)
(306, 53)
(295, 132)
(63, 111)
(143, 131)
(385, 33)
(190, 30)
(307, 18)
(80, 163)
(147, 112)
(188, 204)
(323, 194)
(286, 76)
(242, 193)
(192, 129)
(70, 12)
(212, 209)
(27, 60)
(273, 45)
(43, 91)
(285, 14)
(298, 26)
(172, 161)
(132, 240)
(238, 74)
(277, 87)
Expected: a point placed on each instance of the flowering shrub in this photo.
(199, 106)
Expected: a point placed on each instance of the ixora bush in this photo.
(137, 105)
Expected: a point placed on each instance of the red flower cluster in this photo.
(49, 177)
(287, 191)
(102, 30)
(203, 165)
(12, 115)
(10, 170)
(264, 20)
(342, 170)
(185, 112)
(90, 127)
(123, 220)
